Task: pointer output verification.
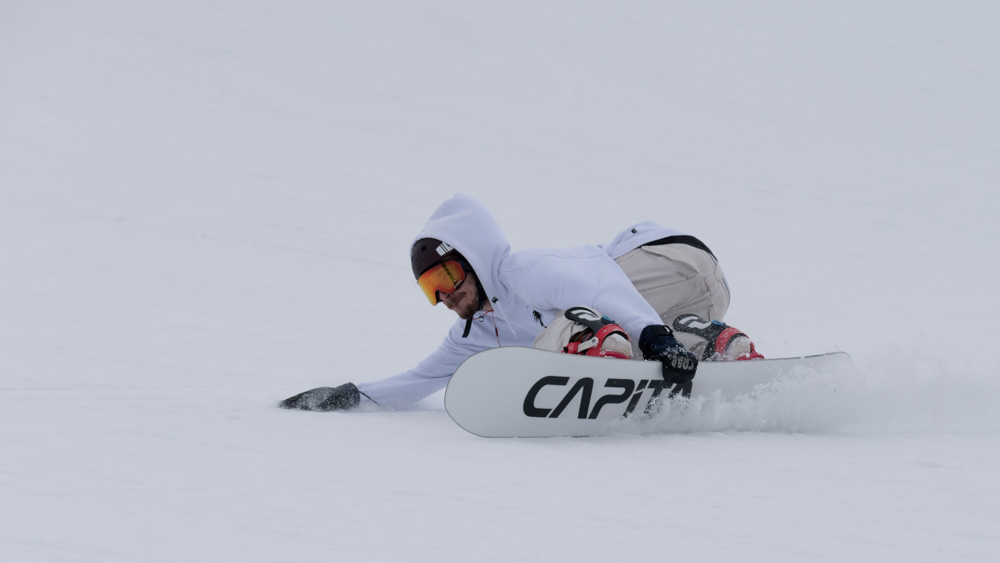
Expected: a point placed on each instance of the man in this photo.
(462, 259)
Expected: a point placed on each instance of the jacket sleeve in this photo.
(432, 374)
(595, 280)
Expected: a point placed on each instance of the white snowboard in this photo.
(526, 392)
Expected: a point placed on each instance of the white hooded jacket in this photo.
(526, 289)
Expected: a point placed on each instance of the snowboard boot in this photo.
(721, 341)
(340, 398)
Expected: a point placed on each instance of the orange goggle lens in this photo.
(445, 277)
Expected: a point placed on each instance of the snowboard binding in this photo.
(723, 342)
(601, 337)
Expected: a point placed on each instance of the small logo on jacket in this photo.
(538, 318)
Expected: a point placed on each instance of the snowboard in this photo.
(526, 392)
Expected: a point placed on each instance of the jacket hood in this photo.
(466, 224)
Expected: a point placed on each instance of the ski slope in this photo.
(206, 207)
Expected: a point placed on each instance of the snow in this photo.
(205, 207)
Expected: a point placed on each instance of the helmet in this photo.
(427, 252)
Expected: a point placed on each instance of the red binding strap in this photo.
(727, 336)
(592, 345)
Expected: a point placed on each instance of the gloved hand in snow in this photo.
(342, 398)
(657, 342)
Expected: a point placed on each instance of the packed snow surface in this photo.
(206, 207)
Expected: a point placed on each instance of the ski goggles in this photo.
(446, 277)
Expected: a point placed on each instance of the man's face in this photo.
(464, 300)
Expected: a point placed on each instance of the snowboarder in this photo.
(646, 279)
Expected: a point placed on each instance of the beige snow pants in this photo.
(675, 279)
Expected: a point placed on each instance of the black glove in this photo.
(657, 342)
(341, 398)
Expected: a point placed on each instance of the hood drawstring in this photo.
(482, 318)
(482, 301)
